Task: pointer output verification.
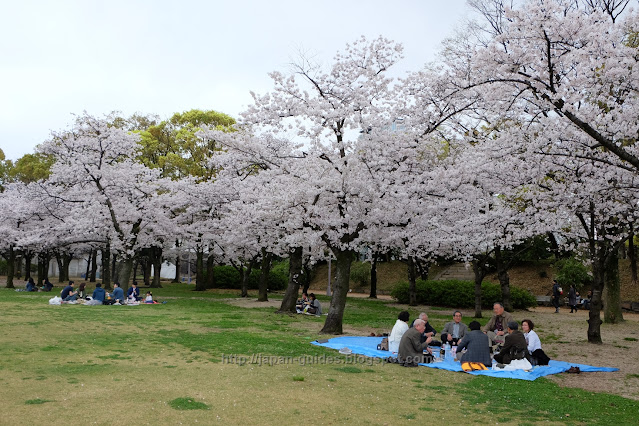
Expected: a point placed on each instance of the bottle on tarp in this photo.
(447, 351)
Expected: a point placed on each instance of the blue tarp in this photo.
(367, 346)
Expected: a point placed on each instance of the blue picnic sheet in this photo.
(367, 346)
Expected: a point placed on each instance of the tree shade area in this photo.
(524, 133)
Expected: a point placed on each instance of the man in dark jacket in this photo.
(477, 346)
(515, 346)
(411, 347)
(67, 294)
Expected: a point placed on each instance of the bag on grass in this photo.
(55, 300)
(473, 366)
(383, 346)
(539, 357)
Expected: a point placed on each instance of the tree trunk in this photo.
(106, 266)
(156, 258)
(43, 267)
(305, 279)
(114, 276)
(58, 259)
(27, 265)
(18, 267)
(294, 275)
(633, 257)
(594, 316)
(66, 262)
(480, 274)
(10, 265)
(373, 294)
(200, 282)
(177, 268)
(146, 264)
(612, 290)
(265, 270)
(124, 274)
(554, 246)
(210, 270)
(246, 274)
(504, 280)
(333, 324)
(94, 266)
(88, 270)
(412, 282)
(423, 268)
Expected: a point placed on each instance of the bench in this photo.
(544, 300)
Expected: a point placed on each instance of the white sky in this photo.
(59, 58)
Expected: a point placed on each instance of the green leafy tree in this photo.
(31, 168)
(174, 145)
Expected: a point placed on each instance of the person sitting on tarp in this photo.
(117, 294)
(476, 346)
(454, 331)
(429, 331)
(133, 292)
(98, 295)
(515, 346)
(495, 329)
(411, 347)
(67, 294)
(537, 355)
(400, 327)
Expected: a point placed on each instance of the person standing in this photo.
(556, 293)
(572, 298)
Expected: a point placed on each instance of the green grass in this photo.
(241, 365)
(187, 403)
(544, 401)
(37, 401)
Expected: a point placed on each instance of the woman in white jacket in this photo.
(400, 327)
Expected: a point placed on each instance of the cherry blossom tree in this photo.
(96, 176)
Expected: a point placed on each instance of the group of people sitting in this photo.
(308, 305)
(500, 336)
(101, 297)
(32, 286)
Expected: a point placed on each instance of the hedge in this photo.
(228, 277)
(461, 294)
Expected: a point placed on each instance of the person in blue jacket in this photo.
(134, 292)
(98, 293)
(117, 294)
(31, 285)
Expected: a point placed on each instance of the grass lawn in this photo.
(196, 359)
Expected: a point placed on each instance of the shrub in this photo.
(361, 273)
(228, 277)
(572, 271)
(460, 294)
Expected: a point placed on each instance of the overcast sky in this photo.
(59, 58)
